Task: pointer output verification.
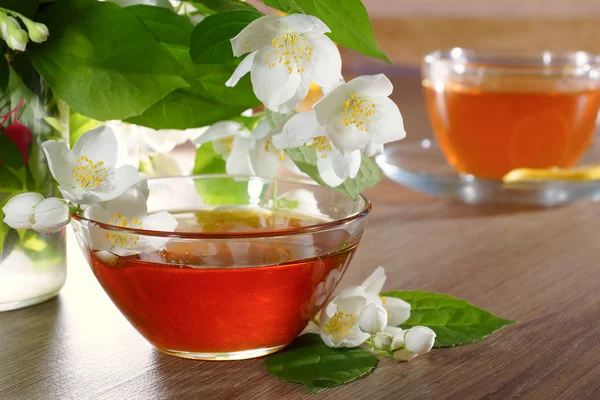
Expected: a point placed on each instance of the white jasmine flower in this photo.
(233, 143)
(245, 153)
(410, 343)
(286, 54)
(398, 310)
(32, 211)
(38, 32)
(303, 129)
(373, 318)
(359, 113)
(128, 211)
(87, 174)
(339, 322)
(15, 37)
(163, 165)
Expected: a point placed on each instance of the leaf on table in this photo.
(225, 191)
(211, 39)
(368, 175)
(310, 362)
(347, 19)
(207, 7)
(454, 321)
(101, 60)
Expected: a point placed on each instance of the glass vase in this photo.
(32, 264)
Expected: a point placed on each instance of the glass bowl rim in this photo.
(242, 234)
(493, 59)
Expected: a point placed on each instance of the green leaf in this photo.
(4, 73)
(310, 362)
(368, 175)
(102, 61)
(454, 321)
(8, 178)
(10, 153)
(27, 8)
(205, 102)
(250, 123)
(154, 3)
(226, 191)
(287, 6)
(347, 19)
(78, 125)
(214, 6)
(211, 37)
(165, 25)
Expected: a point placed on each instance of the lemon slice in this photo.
(553, 174)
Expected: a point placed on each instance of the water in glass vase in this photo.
(234, 298)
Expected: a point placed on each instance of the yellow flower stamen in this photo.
(357, 111)
(123, 240)
(292, 50)
(340, 325)
(322, 144)
(87, 174)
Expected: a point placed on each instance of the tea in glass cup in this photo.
(495, 112)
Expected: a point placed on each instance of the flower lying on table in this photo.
(389, 324)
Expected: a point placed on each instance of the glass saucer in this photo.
(421, 165)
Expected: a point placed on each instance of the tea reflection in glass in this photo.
(492, 113)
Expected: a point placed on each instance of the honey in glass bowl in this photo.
(237, 279)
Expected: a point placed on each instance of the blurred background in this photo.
(408, 29)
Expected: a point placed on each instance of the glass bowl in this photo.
(242, 285)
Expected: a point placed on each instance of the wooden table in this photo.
(540, 267)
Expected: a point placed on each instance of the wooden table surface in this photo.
(538, 266)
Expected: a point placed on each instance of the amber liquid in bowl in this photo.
(194, 304)
(513, 121)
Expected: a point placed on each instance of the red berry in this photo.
(21, 136)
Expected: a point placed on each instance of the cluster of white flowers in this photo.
(88, 178)
(286, 55)
(16, 37)
(360, 314)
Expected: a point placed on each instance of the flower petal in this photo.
(331, 105)
(60, 161)
(165, 166)
(371, 85)
(373, 318)
(273, 85)
(219, 130)
(302, 23)
(98, 144)
(238, 162)
(22, 204)
(386, 124)
(398, 310)
(347, 138)
(351, 305)
(264, 162)
(241, 70)
(256, 34)
(160, 221)
(298, 130)
(325, 66)
(262, 130)
(122, 179)
(374, 283)
(130, 204)
(346, 165)
(51, 215)
(373, 149)
(326, 171)
(298, 97)
(163, 140)
(419, 339)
